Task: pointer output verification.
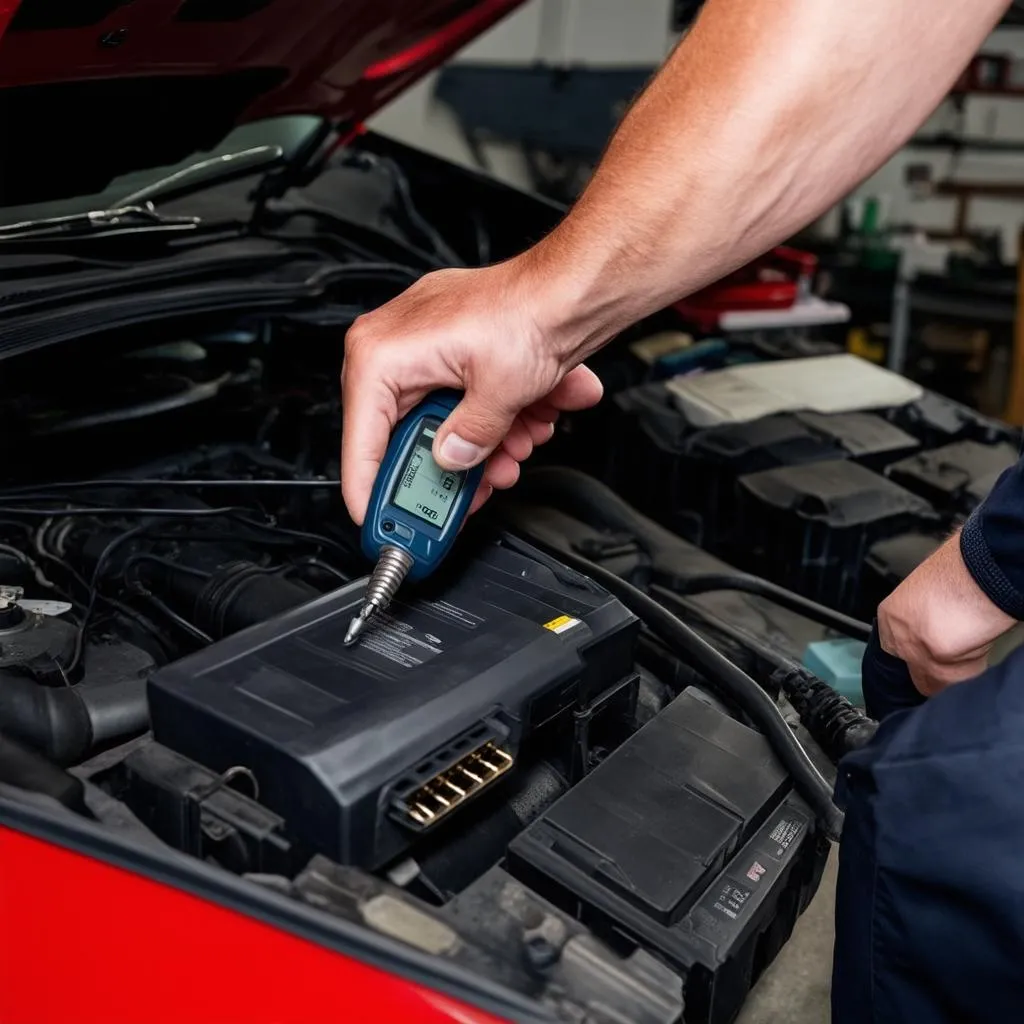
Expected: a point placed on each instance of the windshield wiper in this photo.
(96, 223)
(135, 212)
(203, 173)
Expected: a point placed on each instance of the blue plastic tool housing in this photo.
(416, 505)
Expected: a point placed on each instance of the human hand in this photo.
(494, 333)
(940, 622)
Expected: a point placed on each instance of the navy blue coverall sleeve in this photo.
(992, 543)
(930, 902)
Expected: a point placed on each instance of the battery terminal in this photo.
(455, 785)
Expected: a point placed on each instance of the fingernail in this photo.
(460, 453)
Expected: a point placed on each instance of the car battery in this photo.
(810, 527)
(689, 842)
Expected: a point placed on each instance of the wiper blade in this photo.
(96, 223)
(135, 212)
(213, 171)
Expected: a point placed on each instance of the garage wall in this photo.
(613, 33)
(601, 33)
(984, 117)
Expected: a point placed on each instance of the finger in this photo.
(541, 431)
(483, 492)
(542, 410)
(502, 471)
(472, 432)
(580, 388)
(518, 441)
(370, 412)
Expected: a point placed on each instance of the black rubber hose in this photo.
(242, 594)
(596, 504)
(66, 723)
(733, 682)
(28, 770)
(703, 583)
(238, 595)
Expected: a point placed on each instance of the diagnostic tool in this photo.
(415, 510)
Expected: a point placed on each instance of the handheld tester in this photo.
(416, 508)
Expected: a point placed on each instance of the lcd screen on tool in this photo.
(424, 488)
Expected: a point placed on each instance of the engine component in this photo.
(956, 477)
(37, 644)
(26, 769)
(708, 869)
(889, 563)
(868, 438)
(65, 724)
(810, 526)
(202, 813)
(936, 420)
(364, 749)
(238, 595)
(837, 725)
(734, 684)
(502, 930)
(687, 476)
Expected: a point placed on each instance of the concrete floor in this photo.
(795, 989)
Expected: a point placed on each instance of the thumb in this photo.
(476, 427)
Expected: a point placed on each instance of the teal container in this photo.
(837, 662)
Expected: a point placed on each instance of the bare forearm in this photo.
(768, 113)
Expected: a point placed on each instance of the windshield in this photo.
(286, 132)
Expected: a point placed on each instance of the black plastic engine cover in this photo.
(865, 437)
(341, 740)
(689, 841)
(956, 477)
(811, 526)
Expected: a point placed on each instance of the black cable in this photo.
(733, 681)
(139, 483)
(772, 655)
(312, 538)
(323, 566)
(194, 631)
(101, 510)
(702, 583)
(145, 556)
(94, 583)
(592, 502)
(416, 220)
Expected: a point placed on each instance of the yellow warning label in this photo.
(561, 624)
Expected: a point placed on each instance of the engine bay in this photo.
(584, 763)
(173, 667)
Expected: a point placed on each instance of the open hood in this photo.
(94, 89)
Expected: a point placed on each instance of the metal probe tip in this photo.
(355, 627)
(392, 567)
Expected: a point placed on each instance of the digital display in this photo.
(424, 488)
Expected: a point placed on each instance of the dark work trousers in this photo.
(930, 902)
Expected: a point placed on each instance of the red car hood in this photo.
(127, 85)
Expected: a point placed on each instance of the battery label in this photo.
(411, 635)
(562, 624)
(401, 643)
(785, 832)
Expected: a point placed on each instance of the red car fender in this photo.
(85, 942)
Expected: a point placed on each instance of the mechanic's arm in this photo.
(767, 113)
(945, 616)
